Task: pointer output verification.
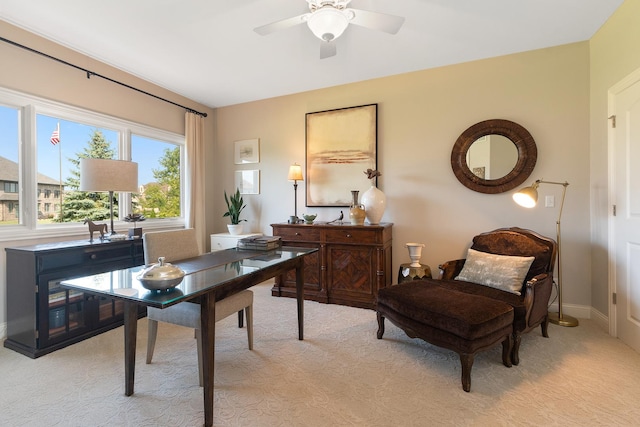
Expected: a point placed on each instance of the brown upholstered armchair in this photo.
(531, 306)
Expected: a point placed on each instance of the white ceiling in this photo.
(207, 50)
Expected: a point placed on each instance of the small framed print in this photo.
(247, 151)
(248, 182)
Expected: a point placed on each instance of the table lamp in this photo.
(295, 175)
(101, 175)
(528, 198)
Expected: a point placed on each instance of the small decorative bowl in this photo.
(308, 219)
(161, 276)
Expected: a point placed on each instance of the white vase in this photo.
(235, 229)
(374, 202)
(415, 253)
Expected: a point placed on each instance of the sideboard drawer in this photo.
(309, 234)
(94, 255)
(354, 236)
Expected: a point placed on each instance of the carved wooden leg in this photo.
(466, 360)
(545, 326)
(507, 346)
(515, 352)
(380, 325)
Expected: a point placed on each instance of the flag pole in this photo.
(56, 140)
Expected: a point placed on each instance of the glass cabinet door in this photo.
(109, 309)
(65, 311)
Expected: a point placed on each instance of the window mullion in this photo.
(28, 168)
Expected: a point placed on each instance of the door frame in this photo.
(612, 93)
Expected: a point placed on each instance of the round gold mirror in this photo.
(494, 156)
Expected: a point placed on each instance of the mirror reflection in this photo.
(492, 156)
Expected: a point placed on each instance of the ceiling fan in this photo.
(328, 19)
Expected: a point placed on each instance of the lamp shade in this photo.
(108, 175)
(295, 172)
(327, 23)
(527, 197)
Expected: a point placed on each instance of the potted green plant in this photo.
(235, 205)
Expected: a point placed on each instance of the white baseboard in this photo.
(3, 331)
(601, 319)
(577, 311)
(584, 312)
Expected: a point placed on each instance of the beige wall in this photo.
(420, 116)
(33, 74)
(615, 53)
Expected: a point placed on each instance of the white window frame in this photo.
(29, 106)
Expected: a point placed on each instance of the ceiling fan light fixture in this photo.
(327, 23)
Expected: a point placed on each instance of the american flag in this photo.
(55, 136)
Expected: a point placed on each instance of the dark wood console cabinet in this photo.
(353, 262)
(42, 316)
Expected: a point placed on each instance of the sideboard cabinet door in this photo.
(352, 264)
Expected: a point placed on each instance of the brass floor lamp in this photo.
(528, 198)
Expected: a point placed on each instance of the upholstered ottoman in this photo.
(458, 321)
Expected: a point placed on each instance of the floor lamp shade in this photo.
(528, 198)
(101, 175)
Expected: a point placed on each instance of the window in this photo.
(10, 187)
(159, 177)
(56, 137)
(9, 170)
(61, 145)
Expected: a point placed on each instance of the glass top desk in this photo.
(210, 277)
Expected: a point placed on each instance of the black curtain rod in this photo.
(91, 73)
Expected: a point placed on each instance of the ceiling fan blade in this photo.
(281, 25)
(327, 49)
(377, 21)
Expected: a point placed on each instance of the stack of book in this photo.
(261, 243)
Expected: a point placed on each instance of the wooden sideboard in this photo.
(353, 262)
(41, 315)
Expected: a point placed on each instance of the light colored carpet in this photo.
(340, 375)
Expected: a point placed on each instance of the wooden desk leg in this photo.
(130, 332)
(208, 329)
(300, 297)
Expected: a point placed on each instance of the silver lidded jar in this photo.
(161, 276)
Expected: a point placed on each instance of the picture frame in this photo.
(247, 151)
(248, 181)
(341, 145)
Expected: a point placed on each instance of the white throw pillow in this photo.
(497, 271)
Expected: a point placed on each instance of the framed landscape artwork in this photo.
(340, 145)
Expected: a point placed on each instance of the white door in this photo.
(626, 222)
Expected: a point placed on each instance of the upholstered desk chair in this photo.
(177, 245)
